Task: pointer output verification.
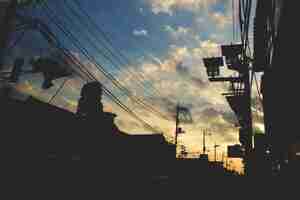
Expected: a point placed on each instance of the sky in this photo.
(165, 42)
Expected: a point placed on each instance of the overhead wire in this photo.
(58, 91)
(257, 88)
(110, 77)
(141, 101)
(136, 45)
(115, 99)
(115, 52)
(133, 77)
(90, 76)
(110, 94)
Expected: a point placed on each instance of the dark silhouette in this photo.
(50, 69)
(45, 148)
(17, 70)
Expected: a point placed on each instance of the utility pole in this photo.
(7, 26)
(186, 117)
(223, 157)
(204, 148)
(215, 147)
(204, 134)
(239, 95)
(249, 123)
(176, 128)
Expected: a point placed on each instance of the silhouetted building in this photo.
(90, 104)
(40, 138)
(278, 59)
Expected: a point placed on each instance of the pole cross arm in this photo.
(226, 79)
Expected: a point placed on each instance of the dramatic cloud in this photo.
(168, 6)
(187, 31)
(221, 20)
(181, 77)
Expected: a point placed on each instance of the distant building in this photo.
(39, 134)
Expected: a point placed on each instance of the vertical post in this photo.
(222, 157)
(204, 147)
(7, 27)
(176, 128)
(215, 152)
(248, 93)
(249, 145)
(226, 164)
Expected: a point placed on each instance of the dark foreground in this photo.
(50, 153)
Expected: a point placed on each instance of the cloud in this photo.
(181, 77)
(141, 32)
(221, 20)
(177, 32)
(181, 35)
(169, 6)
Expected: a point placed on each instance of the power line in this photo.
(129, 72)
(257, 88)
(58, 91)
(119, 56)
(120, 86)
(90, 76)
(233, 19)
(109, 40)
(110, 95)
(106, 74)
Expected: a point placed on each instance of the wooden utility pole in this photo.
(204, 148)
(205, 133)
(177, 124)
(216, 146)
(185, 117)
(249, 123)
(177, 128)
